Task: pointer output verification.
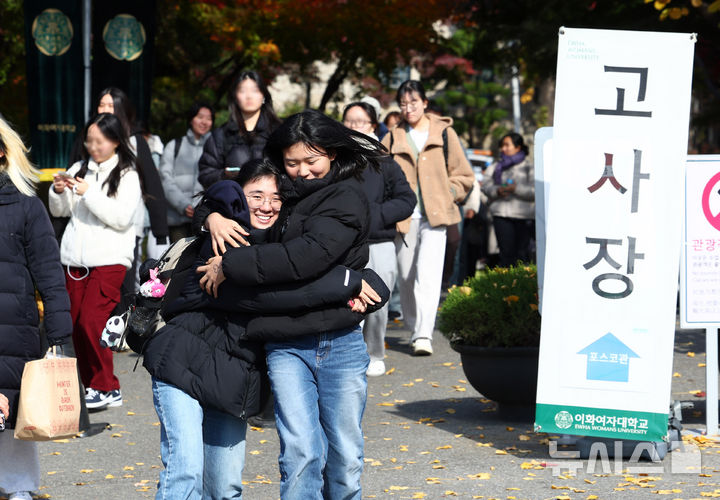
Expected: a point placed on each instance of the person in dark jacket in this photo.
(29, 259)
(201, 348)
(243, 137)
(391, 201)
(318, 377)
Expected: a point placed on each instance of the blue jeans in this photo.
(320, 392)
(203, 450)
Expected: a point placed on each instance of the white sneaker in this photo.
(20, 495)
(422, 347)
(376, 368)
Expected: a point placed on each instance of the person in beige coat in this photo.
(430, 154)
(510, 187)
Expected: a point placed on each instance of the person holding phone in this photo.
(101, 195)
(510, 187)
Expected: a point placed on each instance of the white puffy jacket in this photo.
(100, 231)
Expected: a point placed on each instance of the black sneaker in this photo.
(98, 400)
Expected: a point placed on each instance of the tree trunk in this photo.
(333, 84)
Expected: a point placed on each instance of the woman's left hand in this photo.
(213, 275)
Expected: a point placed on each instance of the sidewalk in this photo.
(428, 435)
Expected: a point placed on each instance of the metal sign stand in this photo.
(711, 381)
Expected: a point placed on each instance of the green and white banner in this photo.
(53, 44)
(615, 209)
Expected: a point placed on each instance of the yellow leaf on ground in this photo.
(509, 429)
(399, 488)
(131, 413)
(500, 452)
(390, 371)
(386, 404)
(691, 354)
(523, 437)
(418, 494)
(676, 375)
(109, 476)
(86, 471)
(446, 447)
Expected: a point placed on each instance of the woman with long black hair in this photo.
(100, 195)
(243, 137)
(317, 376)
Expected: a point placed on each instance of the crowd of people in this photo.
(303, 227)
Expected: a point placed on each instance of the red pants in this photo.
(92, 300)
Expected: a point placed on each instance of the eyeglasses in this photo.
(356, 123)
(257, 201)
(410, 105)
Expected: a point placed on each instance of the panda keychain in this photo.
(113, 331)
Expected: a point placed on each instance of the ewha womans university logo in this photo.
(52, 32)
(124, 37)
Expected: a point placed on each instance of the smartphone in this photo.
(64, 175)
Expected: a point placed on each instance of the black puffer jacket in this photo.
(206, 354)
(391, 199)
(327, 225)
(227, 148)
(29, 258)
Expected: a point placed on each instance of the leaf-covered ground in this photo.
(428, 435)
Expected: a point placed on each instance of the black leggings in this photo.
(513, 237)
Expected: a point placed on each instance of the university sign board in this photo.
(613, 233)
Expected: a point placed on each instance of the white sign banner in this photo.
(622, 109)
(700, 267)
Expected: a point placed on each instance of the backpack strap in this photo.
(178, 143)
(445, 146)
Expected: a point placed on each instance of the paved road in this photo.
(428, 435)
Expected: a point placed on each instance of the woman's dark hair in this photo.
(195, 109)
(392, 114)
(408, 87)
(517, 141)
(353, 150)
(369, 110)
(266, 109)
(122, 108)
(256, 169)
(111, 127)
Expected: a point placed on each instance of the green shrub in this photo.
(495, 308)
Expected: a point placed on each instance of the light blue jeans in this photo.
(320, 392)
(203, 450)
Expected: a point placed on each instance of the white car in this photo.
(479, 159)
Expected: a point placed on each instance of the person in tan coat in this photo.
(430, 154)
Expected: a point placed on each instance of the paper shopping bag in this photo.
(49, 400)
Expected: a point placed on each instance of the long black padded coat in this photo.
(29, 258)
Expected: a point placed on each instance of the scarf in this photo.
(505, 163)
